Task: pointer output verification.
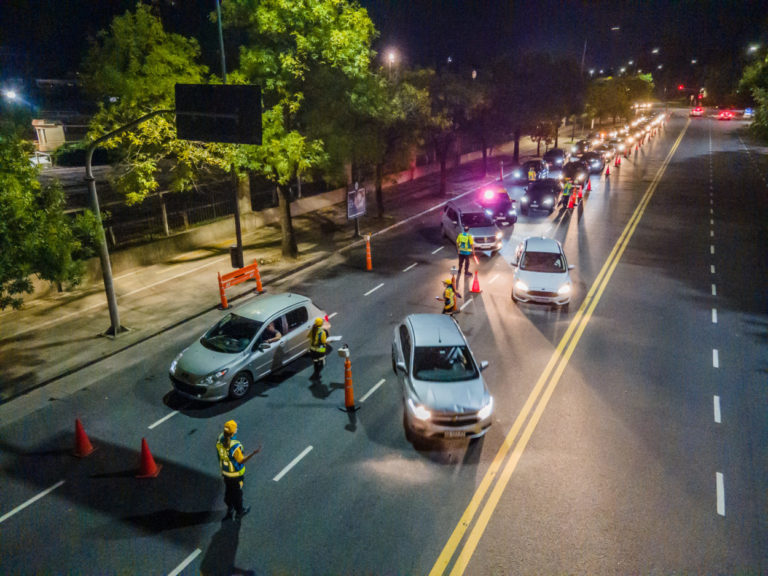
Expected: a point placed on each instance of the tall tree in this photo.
(36, 237)
(131, 69)
(295, 48)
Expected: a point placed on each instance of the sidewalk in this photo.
(57, 335)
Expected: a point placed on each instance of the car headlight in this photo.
(547, 201)
(419, 411)
(524, 199)
(499, 235)
(517, 174)
(521, 286)
(564, 290)
(489, 212)
(486, 410)
(175, 362)
(213, 377)
(511, 212)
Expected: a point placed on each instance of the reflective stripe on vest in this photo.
(229, 466)
(464, 243)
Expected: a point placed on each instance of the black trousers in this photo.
(464, 261)
(233, 493)
(318, 359)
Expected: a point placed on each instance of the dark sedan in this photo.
(497, 204)
(556, 158)
(577, 171)
(581, 147)
(541, 195)
(595, 162)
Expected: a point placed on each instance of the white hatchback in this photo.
(541, 272)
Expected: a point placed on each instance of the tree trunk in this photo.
(379, 190)
(516, 153)
(290, 249)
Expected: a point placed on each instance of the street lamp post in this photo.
(390, 61)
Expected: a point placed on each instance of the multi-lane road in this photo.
(630, 433)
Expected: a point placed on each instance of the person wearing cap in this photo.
(232, 464)
(317, 347)
(449, 297)
(465, 244)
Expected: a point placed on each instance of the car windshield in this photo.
(543, 262)
(443, 364)
(476, 219)
(231, 334)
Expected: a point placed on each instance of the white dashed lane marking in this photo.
(716, 402)
(293, 463)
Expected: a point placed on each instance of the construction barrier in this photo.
(236, 277)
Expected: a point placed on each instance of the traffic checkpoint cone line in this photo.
(147, 466)
(83, 446)
(475, 285)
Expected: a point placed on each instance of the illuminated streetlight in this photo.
(390, 61)
(622, 70)
(754, 48)
(10, 94)
(694, 61)
(660, 66)
(655, 51)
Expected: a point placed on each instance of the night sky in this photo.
(47, 38)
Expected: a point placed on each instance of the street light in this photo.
(10, 95)
(390, 60)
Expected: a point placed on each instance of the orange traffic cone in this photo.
(259, 287)
(607, 171)
(83, 446)
(580, 192)
(349, 393)
(589, 186)
(147, 466)
(618, 160)
(570, 201)
(476, 285)
(368, 263)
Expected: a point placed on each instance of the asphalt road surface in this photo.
(630, 432)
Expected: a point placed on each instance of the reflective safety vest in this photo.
(450, 299)
(464, 243)
(531, 174)
(229, 465)
(317, 341)
(567, 189)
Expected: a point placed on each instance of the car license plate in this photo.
(454, 434)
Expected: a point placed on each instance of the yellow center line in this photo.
(555, 368)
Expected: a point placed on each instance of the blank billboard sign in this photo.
(227, 113)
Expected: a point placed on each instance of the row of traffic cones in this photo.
(83, 447)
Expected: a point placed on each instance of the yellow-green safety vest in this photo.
(464, 243)
(229, 466)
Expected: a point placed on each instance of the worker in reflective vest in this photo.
(465, 244)
(449, 297)
(567, 189)
(317, 347)
(232, 464)
(531, 174)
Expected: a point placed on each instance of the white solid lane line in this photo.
(437, 250)
(411, 266)
(720, 493)
(715, 359)
(185, 563)
(714, 315)
(372, 290)
(163, 419)
(293, 463)
(32, 500)
(717, 409)
(372, 390)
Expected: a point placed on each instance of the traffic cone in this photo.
(147, 466)
(83, 446)
(368, 263)
(616, 160)
(607, 171)
(570, 201)
(580, 192)
(476, 285)
(589, 185)
(349, 393)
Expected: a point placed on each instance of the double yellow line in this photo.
(501, 468)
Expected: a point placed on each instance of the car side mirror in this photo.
(401, 367)
(483, 365)
(571, 266)
(264, 346)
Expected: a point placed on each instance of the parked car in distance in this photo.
(541, 272)
(497, 204)
(232, 354)
(555, 158)
(577, 171)
(443, 391)
(486, 234)
(541, 195)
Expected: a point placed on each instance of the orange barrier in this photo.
(236, 277)
(83, 446)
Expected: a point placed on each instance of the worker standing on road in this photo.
(465, 244)
(531, 174)
(317, 347)
(232, 463)
(567, 190)
(449, 297)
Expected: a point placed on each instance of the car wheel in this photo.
(240, 385)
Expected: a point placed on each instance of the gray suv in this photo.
(486, 234)
(444, 394)
(234, 352)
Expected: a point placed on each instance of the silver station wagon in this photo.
(235, 352)
(444, 394)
